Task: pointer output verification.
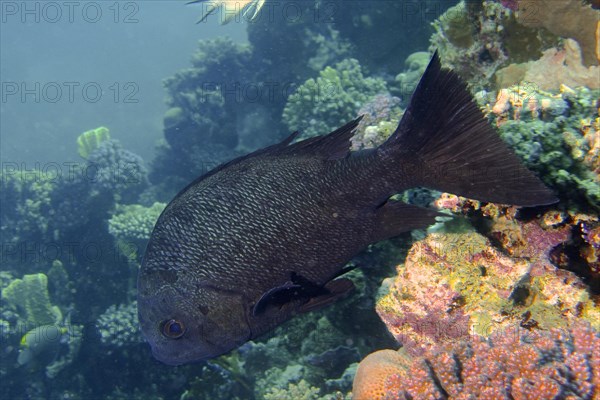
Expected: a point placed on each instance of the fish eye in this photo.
(173, 329)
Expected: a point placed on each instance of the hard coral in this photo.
(380, 119)
(511, 364)
(556, 135)
(477, 38)
(115, 170)
(455, 284)
(567, 19)
(320, 105)
(30, 297)
(118, 326)
(373, 372)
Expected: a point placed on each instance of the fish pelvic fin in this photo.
(444, 142)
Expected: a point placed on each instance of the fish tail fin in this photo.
(444, 142)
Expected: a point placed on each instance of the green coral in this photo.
(134, 221)
(323, 104)
(90, 140)
(30, 295)
(406, 81)
(26, 203)
(131, 226)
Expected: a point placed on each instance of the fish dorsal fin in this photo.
(334, 146)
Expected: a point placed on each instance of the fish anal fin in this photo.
(396, 217)
(337, 289)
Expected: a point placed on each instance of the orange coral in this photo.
(374, 371)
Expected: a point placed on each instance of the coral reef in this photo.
(26, 204)
(90, 140)
(556, 135)
(118, 325)
(380, 118)
(134, 222)
(571, 19)
(131, 226)
(30, 297)
(455, 284)
(574, 62)
(406, 81)
(511, 364)
(300, 391)
(321, 105)
(556, 67)
(477, 38)
(115, 170)
(370, 381)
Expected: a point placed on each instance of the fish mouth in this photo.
(179, 355)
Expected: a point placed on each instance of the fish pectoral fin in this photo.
(299, 289)
(337, 289)
(278, 295)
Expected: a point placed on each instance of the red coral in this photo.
(555, 364)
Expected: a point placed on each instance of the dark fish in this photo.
(266, 236)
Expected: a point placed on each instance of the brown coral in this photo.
(511, 364)
(554, 68)
(565, 18)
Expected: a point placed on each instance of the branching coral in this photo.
(134, 221)
(115, 170)
(118, 326)
(26, 203)
(320, 105)
(511, 364)
(295, 391)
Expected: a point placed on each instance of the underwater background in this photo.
(109, 108)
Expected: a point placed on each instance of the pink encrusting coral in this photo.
(455, 284)
(510, 364)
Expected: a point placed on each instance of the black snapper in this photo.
(266, 236)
